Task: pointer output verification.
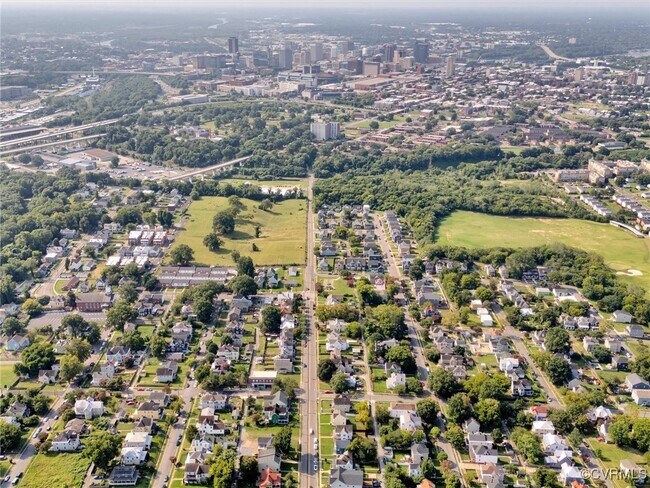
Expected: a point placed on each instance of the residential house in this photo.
(622, 317)
(342, 404)
(268, 458)
(270, 479)
(18, 342)
(491, 475)
(216, 401)
(542, 427)
(196, 473)
(635, 330)
(167, 372)
(88, 408)
(147, 409)
(345, 478)
(395, 380)
(65, 441)
(123, 476)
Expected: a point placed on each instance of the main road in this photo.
(309, 468)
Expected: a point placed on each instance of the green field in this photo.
(283, 232)
(49, 470)
(620, 249)
(7, 375)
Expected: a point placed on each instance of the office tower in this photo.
(421, 52)
(450, 66)
(316, 52)
(334, 52)
(323, 131)
(285, 58)
(389, 52)
(233, 45)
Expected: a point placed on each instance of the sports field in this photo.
(620, 249)
(282, 240)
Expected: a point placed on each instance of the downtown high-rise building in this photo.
(316, 51)
(421, 52)
(285, 58)
(450, 66)
(233, 45)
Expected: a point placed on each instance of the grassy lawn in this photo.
(282, 239)
(49, 470)
(620, 249)
(4, 467)
(7, 375)
(611, 456)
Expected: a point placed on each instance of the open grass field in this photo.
(49, 470)
(282, 240)
(620, 249)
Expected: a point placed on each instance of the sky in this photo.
(373, 4)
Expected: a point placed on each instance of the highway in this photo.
(551, 54)
(309, 468)
(7, 152)
(216, 167)
(55, 133)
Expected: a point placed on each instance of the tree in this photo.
(182, 255)
(79, 348)
(224, 222)
(557, 341)
(282, 441)
(12, 326)
(339, 382)
(442, 382)
(9, 436)
(363, 416)
(427, 410)
(37, 161)
(32, 307)
(363, 449)
(403, 356)
(456, 437)
(248, 469)
(326, 369)
(36, 356)
(266, 205)
(243, 285)
(488, 412)
(75, 324)
(414, 386)
(128, 292)
(528, 443)
(459, 408)
(115, 162)
(101, 448)
(271, 319)
(25, 158)
(158, 346)
(70, 367)
(119, 314)
(212, 242)
(374, 125)
(558, 370)
(134, 341)
(428, 469)
(245, 266)
(601, 354)
(545, 478)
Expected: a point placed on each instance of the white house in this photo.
(88, 408)
(133, 456)
(622, 317)
(395, 379)
(66, 441)
(542, 427)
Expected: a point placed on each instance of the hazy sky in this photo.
(389, 4)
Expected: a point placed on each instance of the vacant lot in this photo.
(49, 470)
(620, 249)
(282, 237)
(284, 183)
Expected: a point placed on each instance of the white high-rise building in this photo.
(324, 131)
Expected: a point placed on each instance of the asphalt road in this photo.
(309, 468)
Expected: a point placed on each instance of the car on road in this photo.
(36, 432)
(7, 478)
(311, 431)
(328, 392)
